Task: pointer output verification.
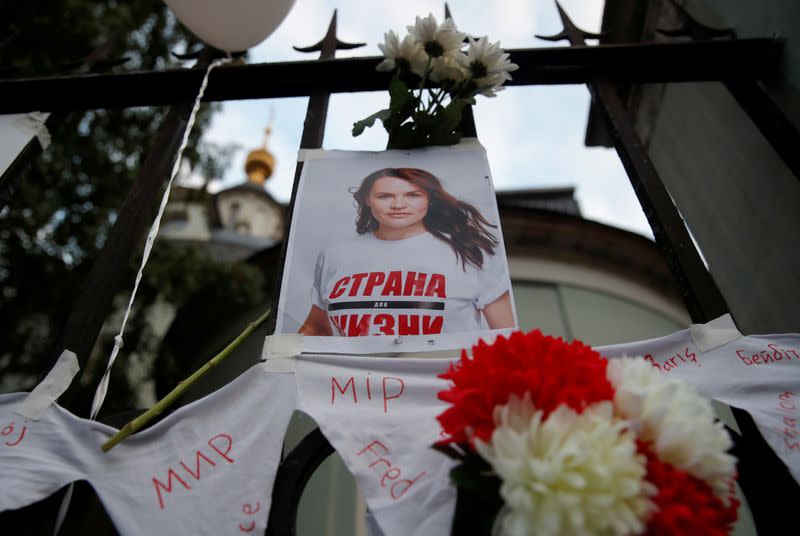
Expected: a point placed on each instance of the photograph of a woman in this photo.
(421, 264)
(416, 259)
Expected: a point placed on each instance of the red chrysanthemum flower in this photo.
(553, 372)
(685, 504)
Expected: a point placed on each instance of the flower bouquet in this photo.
(429, 112)
(554, 439)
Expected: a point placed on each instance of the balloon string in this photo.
(102, 388)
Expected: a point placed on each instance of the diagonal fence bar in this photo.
(296, 469)
(110, 268)
(761, 473)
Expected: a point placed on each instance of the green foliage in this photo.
(411, 123)
(65, 206)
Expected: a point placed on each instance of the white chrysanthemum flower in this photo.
(488, 64)
(447, 71)
(404, 55)
(435, 39)
(676, 419)
(568, 474)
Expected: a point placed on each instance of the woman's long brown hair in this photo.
(456, 222)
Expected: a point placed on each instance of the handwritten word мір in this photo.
(390, 388)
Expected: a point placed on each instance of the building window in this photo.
(595, 317)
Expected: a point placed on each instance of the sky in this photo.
(533, 135)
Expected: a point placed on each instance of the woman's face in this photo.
(397, 203)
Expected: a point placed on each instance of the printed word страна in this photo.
(390, 479)
(220, 445)
(390, 284)
(389, 388)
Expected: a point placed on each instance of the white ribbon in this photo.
(102, 388)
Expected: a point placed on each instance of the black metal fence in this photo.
(770, 490)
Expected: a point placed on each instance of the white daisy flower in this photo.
(676, 419)
(437, 40)
(572, 473)
(447, 72)
(488, 64)
(403, 55)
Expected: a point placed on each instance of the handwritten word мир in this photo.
(389, 479)
(219, 448)
(387, 388)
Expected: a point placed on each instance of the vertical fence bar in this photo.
(293, 472)
(312, 137)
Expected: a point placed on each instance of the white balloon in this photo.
(231, 25)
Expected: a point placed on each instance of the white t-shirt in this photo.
(414, 286)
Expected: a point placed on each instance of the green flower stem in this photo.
(140, 421)
(437, 99)
(423, 81)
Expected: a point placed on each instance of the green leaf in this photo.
(402, 104)
(402, 137)
(359, 126)
(446, 120)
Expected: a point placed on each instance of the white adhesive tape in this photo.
(53, 386)
(33, 124)
(280, 350)
(714, 334)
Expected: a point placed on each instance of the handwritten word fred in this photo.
(389, 475)
(218, 452)
(363, 390)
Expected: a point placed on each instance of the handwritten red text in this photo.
(220, 446)
(787, 404)
(390, 479)
(249, 510)
(772, 354)
(389, 389)
(674, 361)
(8, 431)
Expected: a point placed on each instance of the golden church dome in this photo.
(260, 162)
(259, 166)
